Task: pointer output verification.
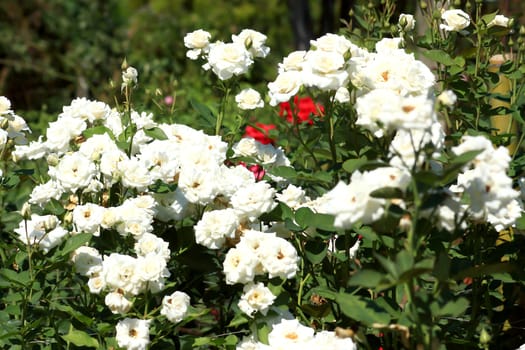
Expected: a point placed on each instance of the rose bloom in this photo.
(133, 334)
(301, 111)
(227, 60)
(455, 20)
(254, 42)
(175, 306)
(406, 23)
(284, 86)
(287, 334)
(129, 76)
(198, 41)
(500, 21)
(260, 132)
(249, 99)
(5, 105)
(256, 297)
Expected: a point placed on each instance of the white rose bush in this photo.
(378, 205)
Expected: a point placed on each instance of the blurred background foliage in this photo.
(52, 51)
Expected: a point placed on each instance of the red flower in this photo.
(257, 171)
(260, 132)
(303, 109)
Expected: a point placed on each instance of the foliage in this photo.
(424, 251)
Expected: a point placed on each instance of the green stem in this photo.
(222, 109)
(301, 286)
(331, 122)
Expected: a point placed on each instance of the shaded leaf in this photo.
(352, 165)
(80, 338)
(156, 133)
(454, 308)
(315, 251)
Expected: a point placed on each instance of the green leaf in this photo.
(284, 171)
(315, 251)
(74, 242)
(442, 267)
(204, 112)
(369, 279)
(98, 130)
(466, 157)
(387, 193)
(54, 207)
(239, 319)
(305, 217)
(162, 187)
(444, 58)
(352, 165)
(362, 310)
(478, 271)
(156, 133)
(454, 308)
(27, 172)
(21, 278)
(88, 321)
(80, 338)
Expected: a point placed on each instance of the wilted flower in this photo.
(129, 77)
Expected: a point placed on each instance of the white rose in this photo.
(198, 42)
(117, 303)
(88, 217)
(175, 306)
(240, 266)
(500, 21)
(74, 171)
(3, 138)
(293, 62)
(133, 333)
(5, 105)
(215, 226)
(134, 173)
(129, 76)
(87, 260)
(285, 86)
(227, 60)
(447, 98)
(256, 297)
(342, 95)
(249, 99)
(406, 23)
(455, 20)
(254, 42)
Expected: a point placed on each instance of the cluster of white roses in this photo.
(84, 168)
(13, 128)
(287, 334)
(325, 67)
(485, 182)
(227, 59)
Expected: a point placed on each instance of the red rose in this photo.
(304, 108)
(260, 133)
